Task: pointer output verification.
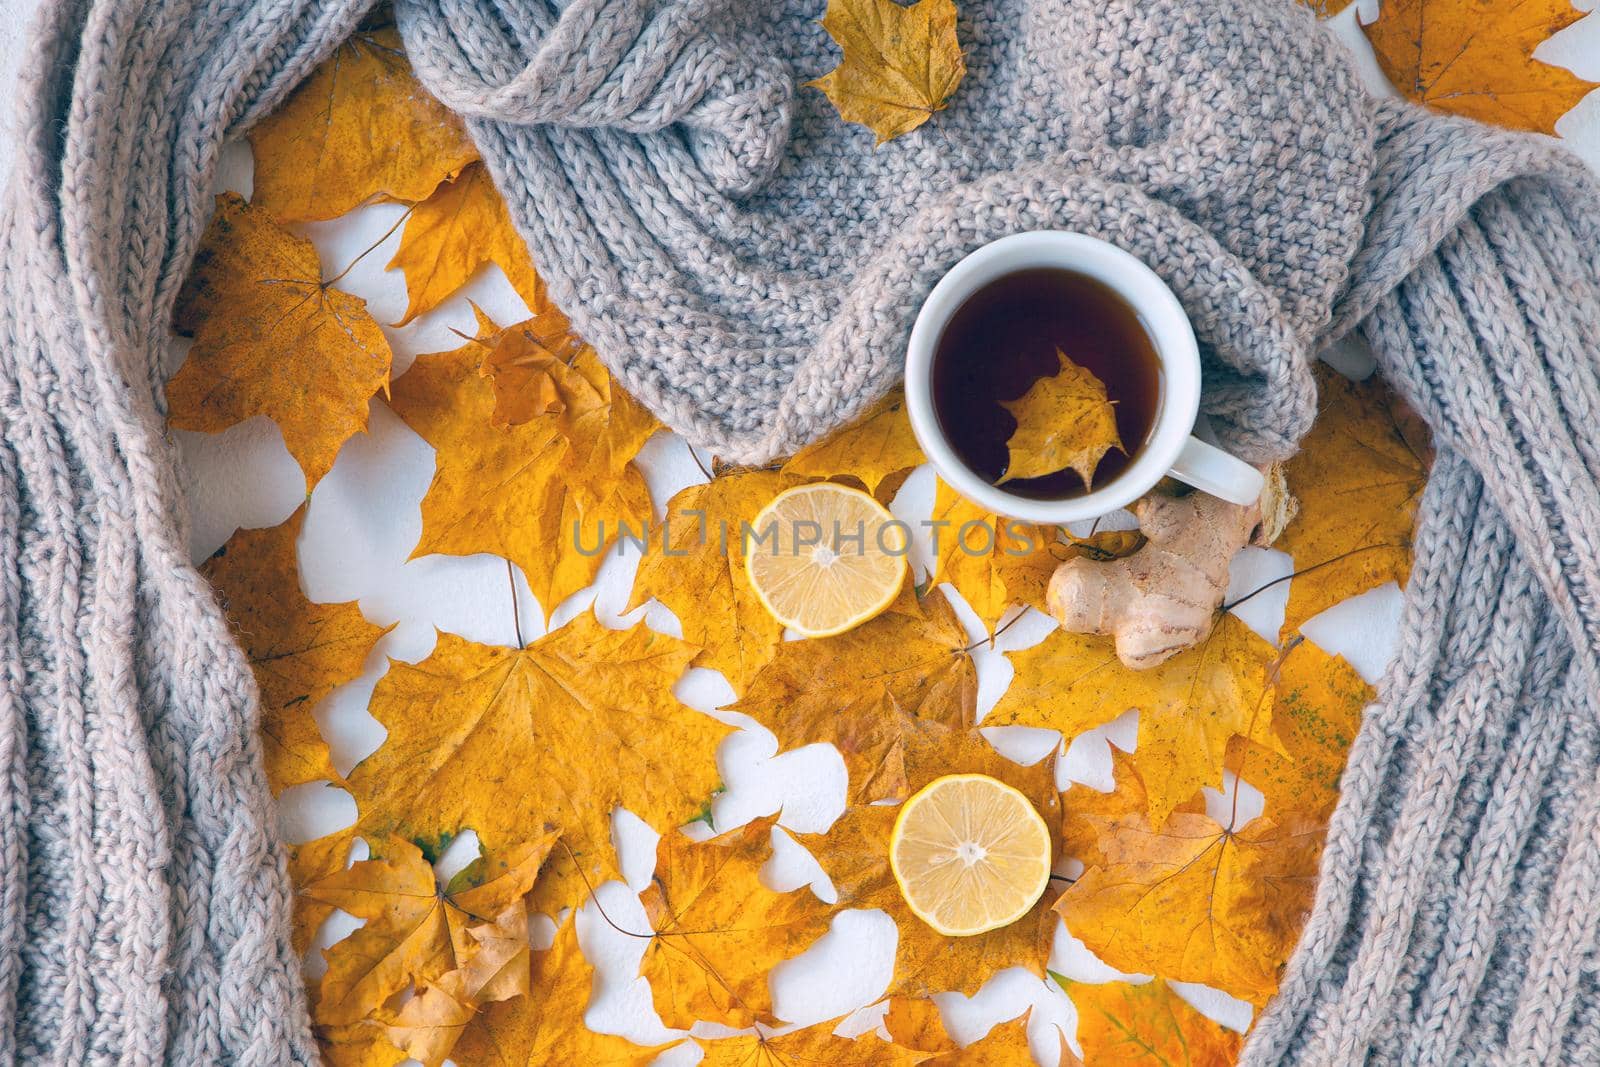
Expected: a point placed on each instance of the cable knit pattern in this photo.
(749, 266)
(143, 905)
(1459, 904)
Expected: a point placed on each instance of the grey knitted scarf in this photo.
(749, 266)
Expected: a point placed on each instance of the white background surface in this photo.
(364, 521)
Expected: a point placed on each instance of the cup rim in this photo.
(1159, 310)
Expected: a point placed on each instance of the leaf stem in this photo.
(369, 249)
(694, 455)
(992, 638)
(1274, 675)
(516, 608)
(1341, 557)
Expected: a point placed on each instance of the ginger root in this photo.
(1165, 597)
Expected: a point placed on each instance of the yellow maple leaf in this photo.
(494, 966)
(871, 690)
(299, 651)
(521, 360)
(564, 730)
(413, 931)
(873, 450)
(541, 371)
(270, 338)
(1317, 704)
(496, 960)
(362, 1044)
(547, 501)
(604, 436)
(900, 65)
(1063, 421)
(855, 851)
(1326, 9)
(877, 741)
(817, 1044)
(915, 1023)
(1188, 707)
(309, 863)
(699, 572)
(427, 1026)
(359, 127)
(718, 930)
(1475, 58)
(452, 234)
(546, 1027)
(1147, 1026)
(993, 561)
(1358, 476)
(1191, 900)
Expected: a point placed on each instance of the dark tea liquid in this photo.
(1004, 338)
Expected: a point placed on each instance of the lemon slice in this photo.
(970, 854)
(824, 557)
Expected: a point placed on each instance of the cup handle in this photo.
(1211, 470)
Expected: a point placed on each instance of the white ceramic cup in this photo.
(1170, 447)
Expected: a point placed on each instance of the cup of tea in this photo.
(999, 321)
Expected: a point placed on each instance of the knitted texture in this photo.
(1458, 909)
(749, 266)
(143, 905)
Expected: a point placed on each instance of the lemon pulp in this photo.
(970, 853)
(825, 557)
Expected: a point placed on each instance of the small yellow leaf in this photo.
(565, 730)
(548, 494)
(718, 931)
(358, 128)
(520, 360)
(900, 65)
(299, 651)
(1188, 707)
(413, 931)
(538, 367)
(1475, 58)
(493, 965)
(271, 339)
(546, 1027)
(496, 966)
(453, 233)
(1147, 1026)
(427, 1026)
(1063, 421)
